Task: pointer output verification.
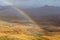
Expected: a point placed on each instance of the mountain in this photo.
(46, 16)
(8, 13)
(12, 24)
(37, 13)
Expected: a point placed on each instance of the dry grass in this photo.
(11, 31)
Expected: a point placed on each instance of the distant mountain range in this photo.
(45, 13)
(47, 16)
(8, 13)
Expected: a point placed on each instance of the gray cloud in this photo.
(35, 3)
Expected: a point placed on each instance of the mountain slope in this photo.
(46, 16)
(8, 13)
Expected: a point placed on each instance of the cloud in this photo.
(35, 3)
(26, 3)
(4, 3)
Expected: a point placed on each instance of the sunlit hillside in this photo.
(15, 31)
(19, 31)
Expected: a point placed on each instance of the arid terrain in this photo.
(19, 31)
(14, 26)
(14, 31)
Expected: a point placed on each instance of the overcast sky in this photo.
(31, 3)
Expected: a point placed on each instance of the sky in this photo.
(30, 3)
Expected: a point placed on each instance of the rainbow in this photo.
(25, 14)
